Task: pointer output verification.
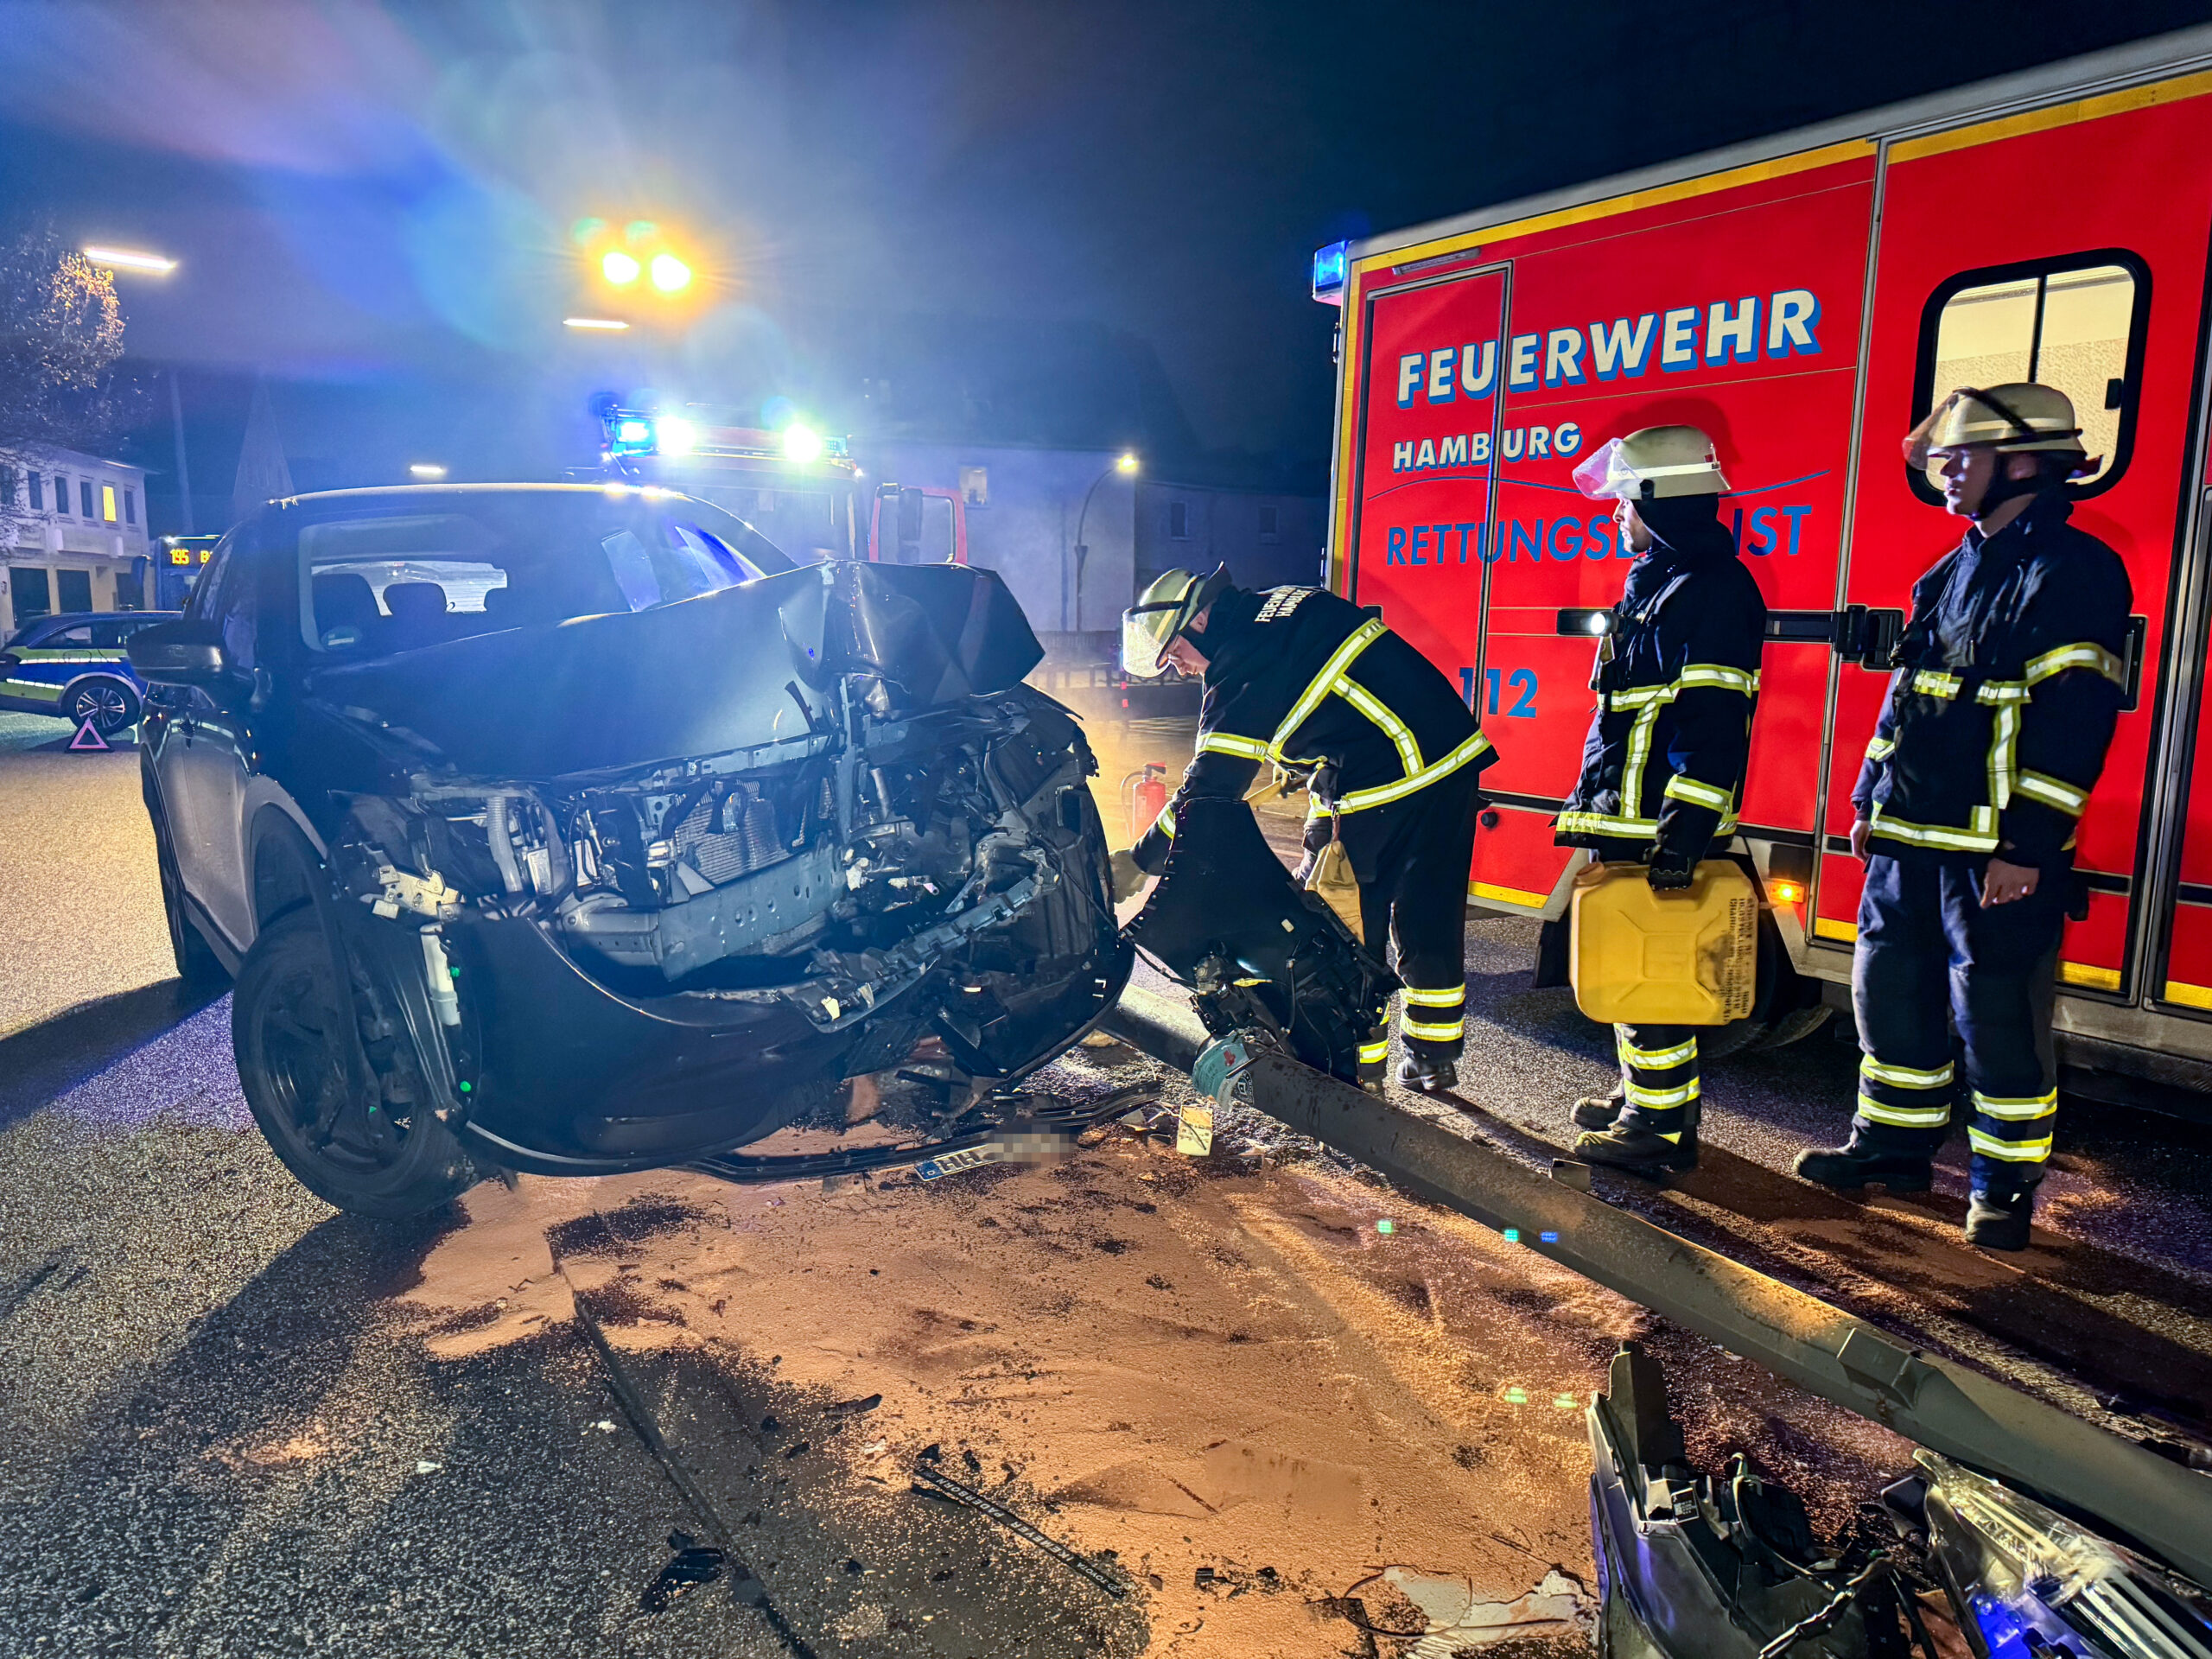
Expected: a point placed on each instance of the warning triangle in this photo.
(88, 739)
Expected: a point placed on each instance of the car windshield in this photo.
(395, 575)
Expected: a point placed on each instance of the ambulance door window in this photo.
(2074, 323)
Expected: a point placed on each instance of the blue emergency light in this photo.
(1332, 265)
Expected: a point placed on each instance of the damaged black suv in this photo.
(576, 829)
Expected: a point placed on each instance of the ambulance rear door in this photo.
(2068, 245)
(1422, 457)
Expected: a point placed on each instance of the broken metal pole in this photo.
(1936, 1402)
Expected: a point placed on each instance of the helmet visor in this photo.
(1604, 476)
(1147, 631)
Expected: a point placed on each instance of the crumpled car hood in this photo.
(734, 670)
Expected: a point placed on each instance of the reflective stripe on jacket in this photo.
(2008, 685)
(1300, 678)
(1677, 681)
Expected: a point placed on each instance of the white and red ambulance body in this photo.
(1803, 299)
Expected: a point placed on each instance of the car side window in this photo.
(61, 638)
(200, 602)
(225, 595)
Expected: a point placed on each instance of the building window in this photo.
(975, 485)
(38, 491)
(1270, 522)
(107, 503)
(2075, 322)
(33, 598)
(131, 507)
(61, 495)
(1179, 521)
(7, 486)
(85, 496)
(73, 589)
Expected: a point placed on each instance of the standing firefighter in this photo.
(1662, 770)
(1308, 682)
(2008, 682)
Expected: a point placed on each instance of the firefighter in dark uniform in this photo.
(1299, 679)
(1662, 770)
(2008, 681)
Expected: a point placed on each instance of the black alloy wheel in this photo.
(349, 1145)
(110, 705)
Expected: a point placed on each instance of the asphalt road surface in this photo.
(232, 1422)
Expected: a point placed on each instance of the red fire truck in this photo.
(1804, 299)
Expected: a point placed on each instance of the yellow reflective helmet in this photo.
(1162, 611)
(2022, 417)
(1651, 464)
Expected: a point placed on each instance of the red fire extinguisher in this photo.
(1151, 797)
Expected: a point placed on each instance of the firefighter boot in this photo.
(1375, 1060)
(1635, 1146)
(1855, 1164)
(1425, 1075)
(1598, 1111)
(1998, 1218)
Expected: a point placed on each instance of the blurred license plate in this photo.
(991, 1152)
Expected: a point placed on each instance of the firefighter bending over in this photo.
(1308, 681)
(2009, 681)
(1662, 770)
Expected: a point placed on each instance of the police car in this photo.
(73, 665)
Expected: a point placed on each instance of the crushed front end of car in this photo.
(643, 888)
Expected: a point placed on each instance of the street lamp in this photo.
(153, 264)
(1125, 464)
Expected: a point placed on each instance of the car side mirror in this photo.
(187, 653)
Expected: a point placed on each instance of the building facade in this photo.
(72, 536)
(1267, 540)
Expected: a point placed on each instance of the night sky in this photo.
(1112, 205)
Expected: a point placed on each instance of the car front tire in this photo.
(368, 1155)
(110, 705)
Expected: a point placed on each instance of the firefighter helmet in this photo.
(2019, 418)
(1162, 611)
(1651, 464)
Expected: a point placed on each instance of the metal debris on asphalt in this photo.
(943, 1485)
(695, 1564)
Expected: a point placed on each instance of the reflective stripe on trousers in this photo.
(1929, 958)
(1415, 908)
(1434, 1017)
(1659, 1076)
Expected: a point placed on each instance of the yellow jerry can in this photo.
(1685, 959)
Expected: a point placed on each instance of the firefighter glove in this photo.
(1128, 879)
(1670, 871)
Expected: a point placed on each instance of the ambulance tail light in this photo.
(1788, 875)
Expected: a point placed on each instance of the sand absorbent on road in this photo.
(1250, 1386)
